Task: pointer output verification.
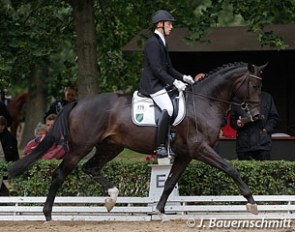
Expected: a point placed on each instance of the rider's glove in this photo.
(188, 79)
(179, 85)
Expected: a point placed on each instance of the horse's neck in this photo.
(219, 87)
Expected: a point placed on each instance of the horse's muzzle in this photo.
(257, 117)
(252, 113)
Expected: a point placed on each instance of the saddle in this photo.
(146, 113)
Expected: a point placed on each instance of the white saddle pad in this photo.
(143, 110)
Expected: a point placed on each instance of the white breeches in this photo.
(162, 99)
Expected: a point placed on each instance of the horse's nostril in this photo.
(257, 117)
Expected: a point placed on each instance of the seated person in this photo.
(57, 151)
(40, 129)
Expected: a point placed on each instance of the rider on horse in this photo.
(158, 73)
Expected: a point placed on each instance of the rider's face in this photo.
(168, 26)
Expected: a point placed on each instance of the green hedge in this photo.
(133, 178)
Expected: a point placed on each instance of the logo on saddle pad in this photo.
(145, 112)
(139, 117)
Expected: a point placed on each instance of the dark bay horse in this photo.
(104, 121)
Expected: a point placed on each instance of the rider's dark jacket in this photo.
(251, 137)
(157, 69)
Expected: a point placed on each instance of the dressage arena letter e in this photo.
(159, 174)
(160, 180)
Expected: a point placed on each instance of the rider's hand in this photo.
(179, 85)
(188, 79)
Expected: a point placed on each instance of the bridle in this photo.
(244, 105)
(247, 79)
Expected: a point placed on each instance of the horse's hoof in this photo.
(47, 222)
(109, 203)
(252, 208)
(163, 216)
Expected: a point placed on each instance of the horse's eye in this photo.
(256, 86)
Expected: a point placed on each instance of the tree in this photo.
(36, 105)
(86, 47)
(29, 38)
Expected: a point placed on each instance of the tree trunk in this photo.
(87, 82)
(36, 105)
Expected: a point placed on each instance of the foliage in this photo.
(133, 178)
(255, 14)
(35, 30)
(31, 32)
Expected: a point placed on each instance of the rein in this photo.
(212, 98)
(226, 101)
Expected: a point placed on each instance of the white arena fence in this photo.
(143, 208)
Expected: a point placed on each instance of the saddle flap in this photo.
(144, 111)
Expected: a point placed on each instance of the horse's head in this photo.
(248, 89)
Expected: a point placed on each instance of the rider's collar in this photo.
(161, 36)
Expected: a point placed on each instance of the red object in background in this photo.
(151, 158)
(227, 130)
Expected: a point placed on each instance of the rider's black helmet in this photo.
(162, 15)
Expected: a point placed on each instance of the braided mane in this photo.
(228, 65)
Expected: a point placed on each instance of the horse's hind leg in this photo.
(58, 177)
(209, 156)
(104, 153)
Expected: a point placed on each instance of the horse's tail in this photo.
(60, 129)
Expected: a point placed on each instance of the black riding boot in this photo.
(162, 131)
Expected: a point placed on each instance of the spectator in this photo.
(199, 76)
(4, 97)
(57, 151)
(8, 142)
(40, 129)
(5, 113)
(8, 152)
(254, 138)
(70, 96)
(227, 130)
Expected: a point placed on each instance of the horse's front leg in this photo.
(209, 156)
(179, 165)
(58, 177)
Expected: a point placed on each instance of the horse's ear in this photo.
(251, 68)
(263, 66)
